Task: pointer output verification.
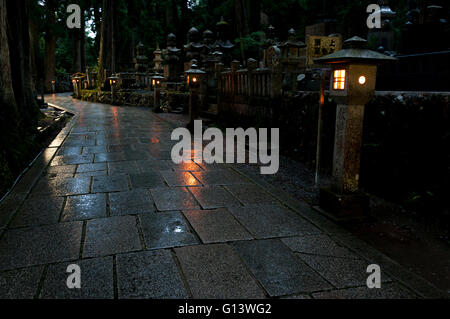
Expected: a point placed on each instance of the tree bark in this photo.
(7, 98)
(79, 45)
(50, 44)
(19, 49)
(107, 56)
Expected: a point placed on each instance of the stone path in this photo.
(106, 196)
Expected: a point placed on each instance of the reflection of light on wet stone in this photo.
(178, 229)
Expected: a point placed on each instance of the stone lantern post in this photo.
(77, 86)
(53, 86)
(156, 83)
(353, 79)
(113, 81)
(194, 78)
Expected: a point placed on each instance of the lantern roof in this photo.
(157, 76)
(355, 50)
(195, 70)
(292, 42)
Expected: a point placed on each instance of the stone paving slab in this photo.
(387, 291)
(86, 168)
(187, 167)
(59, 170)
(20, 284)
(147, 180)
(126, 167)
(94, 149)
(216, 272)
(174, 179)
(70, 150)
(251, 194)
(342, 273)
(91, 174)
(72, 160)
(84, 207)
(211, 197)
(318, 245)
(114, 235)
(96, 280)
(278, 269)
(151, 166)
(62, 187)
(216, 226)
(106, 184)
(39, 211)
(219, 177)
(149, 275)
(134, 202)
(110, 157)
(9, 206)
(27, 247)
(269, 221)
(169, 199)
(166, 230)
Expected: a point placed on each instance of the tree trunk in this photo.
(79, 45)
(98, 24)
(19, 49)
(7, 98)
(107, 56)
(50, 45)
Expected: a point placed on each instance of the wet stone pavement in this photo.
(111, 201)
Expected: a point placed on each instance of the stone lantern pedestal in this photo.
(353, 79)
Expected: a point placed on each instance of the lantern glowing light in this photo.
(362, 80)
(339, 80)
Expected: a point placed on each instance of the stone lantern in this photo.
(158, 60)
(353, 79)
(53, 82)
(293, 59)
(113, 81)
(194, 48)
(77, 86)
(194, 78)
(172, 59)
(156, 83)
(140, 64)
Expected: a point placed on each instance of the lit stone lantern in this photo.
(113, 82)
(53, 86)
(77, 86)
(353, 79)
(194, 78)
(156, 83)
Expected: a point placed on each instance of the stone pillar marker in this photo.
(353, 79)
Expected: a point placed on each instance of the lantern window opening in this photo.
(339, 79)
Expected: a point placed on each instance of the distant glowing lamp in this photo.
(194, 76)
